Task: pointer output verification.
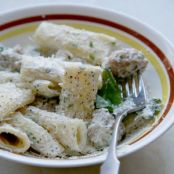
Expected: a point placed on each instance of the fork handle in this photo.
(110, 167)
(113, 145)
(112, 164)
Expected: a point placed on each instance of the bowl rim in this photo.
(98, 159)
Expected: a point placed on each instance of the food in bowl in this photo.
(61, 97)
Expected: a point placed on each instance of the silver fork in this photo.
(134, 88)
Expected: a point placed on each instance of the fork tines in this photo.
(130, 86)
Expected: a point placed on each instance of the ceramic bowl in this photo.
(17, 26)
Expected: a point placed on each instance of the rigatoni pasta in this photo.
(46, 88)
(40, 139)
(10, 59)
(79, 89)
(12, 98)
(93, 47)
(6, 76)
(13, 139)
(40, 68)
(71, 133)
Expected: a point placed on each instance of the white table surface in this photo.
(156, 158)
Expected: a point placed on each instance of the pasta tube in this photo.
(79, 89)
(12, 98)
(6, 76)
(41, 68)
(71, 133)
(46, 88)
(10, 59)
(40, 139)
(91, 46)
(13, 139)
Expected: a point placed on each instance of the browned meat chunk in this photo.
(126, 62)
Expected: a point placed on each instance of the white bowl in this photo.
(17, 25)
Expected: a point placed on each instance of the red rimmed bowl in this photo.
(16, 26)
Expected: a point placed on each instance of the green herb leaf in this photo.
(69, 57)
(91, 44)
(110, 90)
(102, 103)
(92, 57)
(110, 93)
(152, 109)
(1, 49)
(156, 106)
(113, 43)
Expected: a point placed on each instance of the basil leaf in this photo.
(110, 90)
(110, 93)
(102, 103)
